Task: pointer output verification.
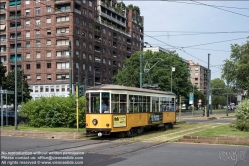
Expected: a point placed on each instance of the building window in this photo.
(77, 43)
(38, 55)
(90, 68)
(84, 66)
(77, 53)
(27, 55)
(27, 33)
(38, 78)
(84, 45)
(196, 68)
(27, 23)
(103, 60)
(27, 12)
(77, 20)
(48, 20)
(62, 30)
(109, 62)
(38, 44)
(37, 32)
(48, 31)
(104, 31)
(90, 57)
(62, 19)
(27, 66)
(84, 1)
(84, 22)
(27, 2)
(49, 54)
(196, 74)
(78, 31)
(49, 65)
(90, 14)
(62, 65)
(48, 42)
(37, 10)
(48, 77)
(90, 47)
(48, 9)
(38, 22)
(90, 3)
(38, 66)
(62, 53)
(62, 42)
(27, 44)
(90, 25)
(61, 77)
(84, 11)
(90, 36)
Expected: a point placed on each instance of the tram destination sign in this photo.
(155, 118)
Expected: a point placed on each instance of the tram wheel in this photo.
(129, 133)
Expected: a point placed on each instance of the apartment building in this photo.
(101, 34)
(199, 76)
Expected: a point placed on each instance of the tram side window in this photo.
(87, 103)
(115, 103)
(162, 104)
(95, 102)
(155, 104)
(172, 108)
(133, 103)
(123, 104)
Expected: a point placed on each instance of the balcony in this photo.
(112, 19)
(106, 5)
(61, 1)
(12, 46)
(59, 9)
(77, 11)
(18, 58)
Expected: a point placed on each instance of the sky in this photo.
(171, 25)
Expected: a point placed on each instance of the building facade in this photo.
(95, 35)
(199, 76)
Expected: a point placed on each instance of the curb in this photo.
(41, 134)
(215, 140)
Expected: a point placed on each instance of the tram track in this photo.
(157, 143)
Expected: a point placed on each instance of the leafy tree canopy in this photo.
(235, 70)
(22, 86)
(159, 74)
(2, 73)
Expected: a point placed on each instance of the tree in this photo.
(160, 73)
(130, 7)
(136, 9)
(2, 73)
(22, 86)
(235, 70)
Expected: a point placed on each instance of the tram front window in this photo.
(99, 105)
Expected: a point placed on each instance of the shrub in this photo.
(54, 112)
(242, 114)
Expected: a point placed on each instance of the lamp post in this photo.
(171, 71)
(70, 67)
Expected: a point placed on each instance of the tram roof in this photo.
(127, 88)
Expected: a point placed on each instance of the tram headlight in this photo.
(95, 121)
(107, 124)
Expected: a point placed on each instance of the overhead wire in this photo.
(220, 8)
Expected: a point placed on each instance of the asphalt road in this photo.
(122, 153)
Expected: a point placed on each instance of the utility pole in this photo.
(1, 107)
(141, 66)
(70, 67)
(180, 108)
(208, 87)
(16, 66)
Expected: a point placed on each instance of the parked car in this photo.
(11, 118)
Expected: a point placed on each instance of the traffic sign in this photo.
(191, 98)
(10, 92)
(3, 91)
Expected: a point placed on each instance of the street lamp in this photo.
(172, 70)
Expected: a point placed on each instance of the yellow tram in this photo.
(127, 110)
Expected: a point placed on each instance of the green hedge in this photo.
(54, 112)
(242, 114)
